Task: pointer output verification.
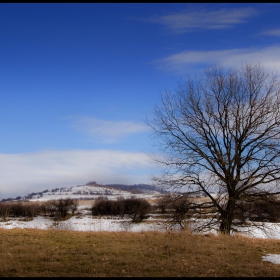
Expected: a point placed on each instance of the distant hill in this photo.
(92, 190)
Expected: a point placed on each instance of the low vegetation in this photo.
(60, 253)
(172, 209)
(55, 253)
(58, 209)
(135, 208)
(179, 208)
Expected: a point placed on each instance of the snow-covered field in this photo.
(84, 222)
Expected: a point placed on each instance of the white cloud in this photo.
(272, 32)
(24, 173)
(183, 62)
(108, 131)
(202, 19)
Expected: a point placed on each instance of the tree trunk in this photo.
(225, 225)
(227, 217)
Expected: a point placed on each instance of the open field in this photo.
(82, 245)
(39, 253)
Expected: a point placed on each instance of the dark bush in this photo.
(59, 208)
(134, 207)
(262, 210)
(17, 209)
(5, 209)
(63, 206)
(105, 207)
(31, 210)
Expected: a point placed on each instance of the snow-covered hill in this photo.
(88, 192)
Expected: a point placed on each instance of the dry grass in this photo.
(86, 202)
(48, 253)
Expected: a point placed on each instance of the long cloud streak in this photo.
(183, 62)
(272, 32)
(24, 173)
(202, 19)
(108, 131)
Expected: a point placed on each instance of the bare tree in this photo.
(179, 210)
(219, 136)
(163, 202)
(63, 206)
(74, 206)
(5, 209)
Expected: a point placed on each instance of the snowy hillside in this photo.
(87, 192)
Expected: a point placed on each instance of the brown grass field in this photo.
(49, 253)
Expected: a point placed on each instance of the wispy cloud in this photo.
(24, 173)
(184, 62)
(272, 32)
(204, 19)
(108, 131)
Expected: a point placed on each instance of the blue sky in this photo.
(78, 80)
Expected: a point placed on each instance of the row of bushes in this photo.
(181, 207)
(16, 209)
(54, 208)
(265, 210)
(136, 208)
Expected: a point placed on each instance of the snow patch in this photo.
(273, 258)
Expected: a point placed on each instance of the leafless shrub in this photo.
(135, 208)
(5, 209)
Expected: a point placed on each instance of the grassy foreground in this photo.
(48, 253)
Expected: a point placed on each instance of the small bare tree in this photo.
(74, 206)
(163, 202)
(63, 206)
(220, 137)
(5, 209)
(179, 210)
